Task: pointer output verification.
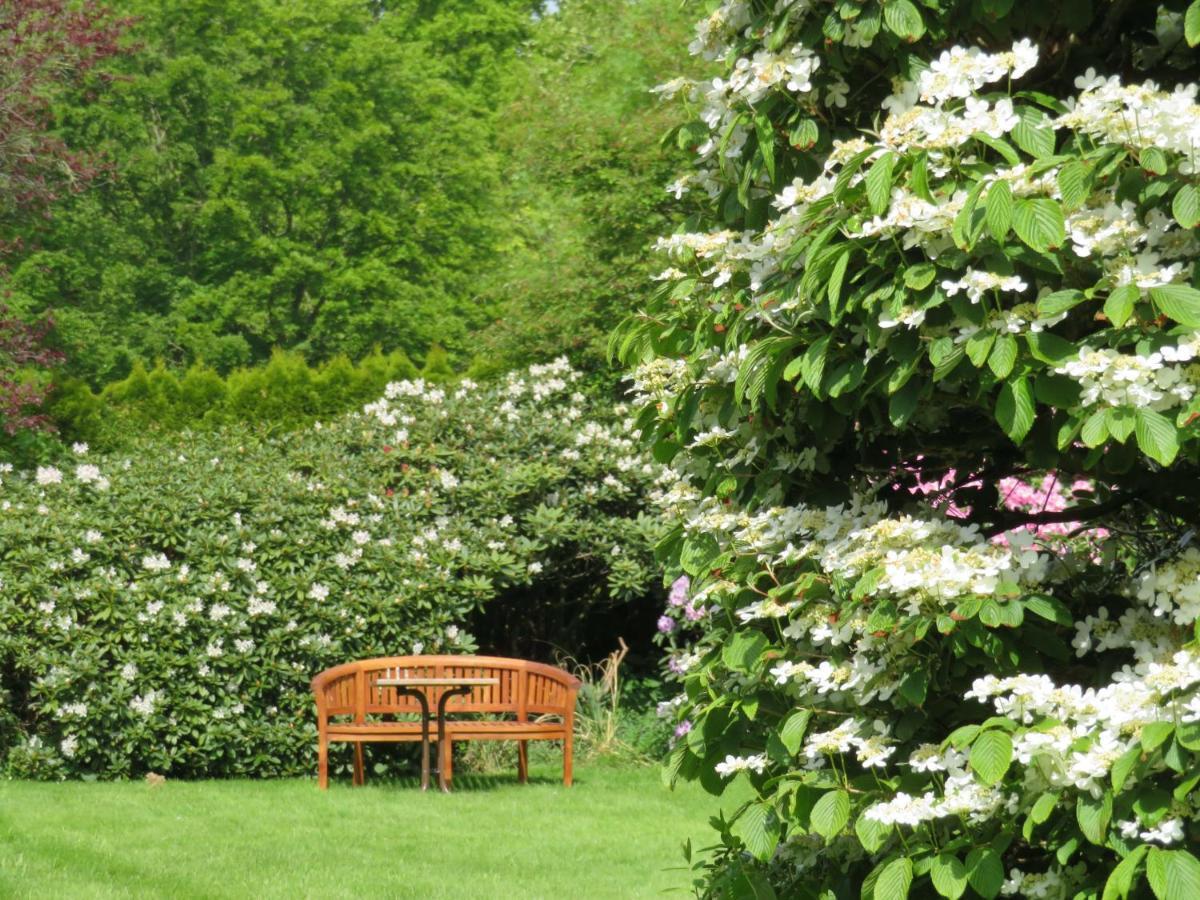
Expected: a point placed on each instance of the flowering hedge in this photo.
(166, 611)
(950, 249)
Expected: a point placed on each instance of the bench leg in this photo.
(523, 761)
(446, 760)
(568, 758)
(360, 775)
(322, 763)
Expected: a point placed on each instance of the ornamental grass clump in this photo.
(926, 377)
(165, 611)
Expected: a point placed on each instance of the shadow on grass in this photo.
(464, 782)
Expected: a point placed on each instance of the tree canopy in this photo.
(311, 176)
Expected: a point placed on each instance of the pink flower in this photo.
(679, 591)
(666, 624)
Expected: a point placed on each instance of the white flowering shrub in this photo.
(166, 611)
(950, 248)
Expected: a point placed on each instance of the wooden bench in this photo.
(530, 702)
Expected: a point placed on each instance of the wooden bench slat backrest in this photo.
(525, 688)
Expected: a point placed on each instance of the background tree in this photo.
(46, 47)
(313, 176)
(584, 176)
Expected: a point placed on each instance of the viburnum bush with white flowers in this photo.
(926, 374)
(166, 611)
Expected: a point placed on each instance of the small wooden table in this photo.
(412, 687)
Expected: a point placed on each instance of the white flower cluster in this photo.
(1172, 589)
(1111, 378)
(1096, 726)
(1139, 116)
(734, 764)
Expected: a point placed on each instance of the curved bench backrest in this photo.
(524, 688)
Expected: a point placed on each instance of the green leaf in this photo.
(1120, 879)
(1049, 608)
(991, 755)
(871, 834)
(836, 277)
(1123, 766)
(1153, 160)
(1050, 348)
(903, 20)
(949, 875)
(1031, 135)
(766, 143)
(1173, 874)
(1156, 436)
(1094, 815)
(744, 650)
(805, 134)
(793, 728)
(920, 276)
(1178, 302)
(903, 403)
(812, 369)
(1191, 24)
(985, 872)
(1072, 184)
(879, 183)
(830, 814)
(758, 828)
(1042, 807)
(1154, 734)
(698, 551)
(1186, 205)
(1121, 421)
(1059, 302)
(999, 209)
(979, 346)
(1095, 429)
(1003, 356)
(894, 880)
(1040, 224)
(1014, 409)
(1119, 305)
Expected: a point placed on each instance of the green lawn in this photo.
(616, 833)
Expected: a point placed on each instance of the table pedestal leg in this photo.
(441, 710)
(420, 696)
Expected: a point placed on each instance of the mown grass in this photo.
(616, 833)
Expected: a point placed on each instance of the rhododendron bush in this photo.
(925, 375)
(166, 611)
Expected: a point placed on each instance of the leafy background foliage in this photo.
(187, 602)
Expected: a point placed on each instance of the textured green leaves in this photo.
(1178, 302)
(1191, 24)
(791, 733)
(903, 20)
(991, 755)
(1039, 223)
(1156, 435)
(1094, 815)
(1173, 874)
(830, 814)
(879, 183)
(999, 209)
(985, 871)
(758, 828)
(1186, 206)
(894, 880)
(949, 875)
(744, 650)
(1119, 305)
(1015, 408)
